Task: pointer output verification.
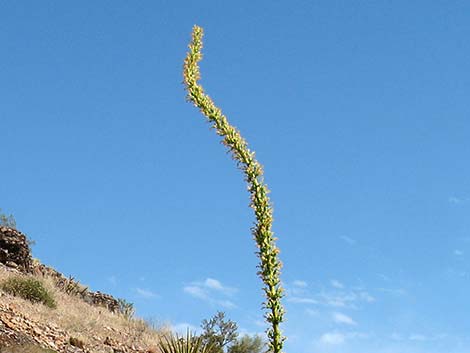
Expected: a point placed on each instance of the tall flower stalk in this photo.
(270, 265)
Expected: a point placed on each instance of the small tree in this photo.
(219, 332)
(248, 344)
(7, 221)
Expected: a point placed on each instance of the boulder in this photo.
(14, 249)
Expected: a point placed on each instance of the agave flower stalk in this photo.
(269, 263)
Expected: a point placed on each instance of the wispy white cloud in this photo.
(144, 293)
(301, 284)
(427, 338)
(311, 312)
(451, 271)
(302, 300)
(196, 292)
(458, 200)
(458, 252)
(396, 336)
(112, 280)
(338, 338)
(244, 332)
(338, 296)
(366, 297)
(259, 323)
(298, 289)
(212, 291)
(226, 303)
(337, 284)
(348, 240)
(418, 337)
(394, 291)
(345, 299)
(216, 285)
(183, 327)
(332, 338)
(341, 318)
(384, 277)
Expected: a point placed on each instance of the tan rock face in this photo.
(14, 249)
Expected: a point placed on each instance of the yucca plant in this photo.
(190, 344)
(126, 309)
(270, 265)
(71, 287)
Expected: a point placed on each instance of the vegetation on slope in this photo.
(28, 288)
(91, 325)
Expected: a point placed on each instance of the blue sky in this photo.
(359, 112)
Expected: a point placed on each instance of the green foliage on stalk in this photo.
(270, 265)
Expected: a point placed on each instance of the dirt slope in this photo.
(73, 327)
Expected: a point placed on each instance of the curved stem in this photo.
(269, 266)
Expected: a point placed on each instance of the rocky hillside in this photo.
(82, 321)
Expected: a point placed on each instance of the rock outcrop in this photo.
(16, 254)
(102, 299)
(14, 249)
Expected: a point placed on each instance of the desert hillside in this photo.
(66, 317)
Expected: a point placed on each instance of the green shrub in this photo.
(28, 288)
(222, 335)
(248, 344)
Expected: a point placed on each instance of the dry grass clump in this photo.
(90, 324)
